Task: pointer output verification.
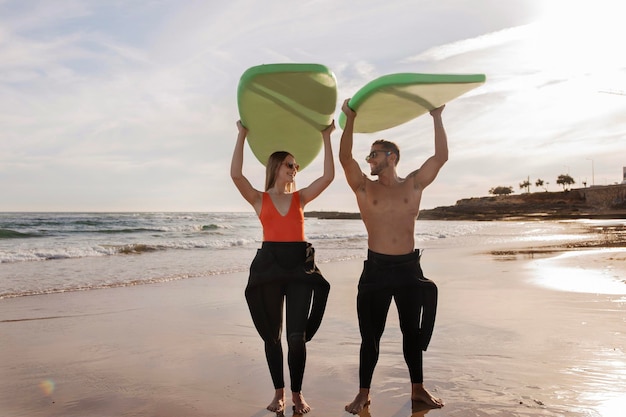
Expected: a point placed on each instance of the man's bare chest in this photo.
(389, 201)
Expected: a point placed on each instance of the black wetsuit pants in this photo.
(283, 274)
(400, 277)
(297, 299)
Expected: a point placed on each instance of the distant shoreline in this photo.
(333, 215)
(449, 213)
(602, 202)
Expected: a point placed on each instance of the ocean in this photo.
(42, 253)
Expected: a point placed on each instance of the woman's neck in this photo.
(277, 190)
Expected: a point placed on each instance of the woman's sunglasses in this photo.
(291, 165)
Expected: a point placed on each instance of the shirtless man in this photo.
(389, 207)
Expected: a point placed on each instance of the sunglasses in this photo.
(374, 154)
(291, 165)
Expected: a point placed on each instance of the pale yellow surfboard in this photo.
(285, 107)
(394, 99)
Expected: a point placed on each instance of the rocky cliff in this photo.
(593, 202)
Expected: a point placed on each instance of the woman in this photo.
(284, 268)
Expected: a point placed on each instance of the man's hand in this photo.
(350, 114)
(437, 111)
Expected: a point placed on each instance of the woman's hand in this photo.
(326, 132)
(242, 129)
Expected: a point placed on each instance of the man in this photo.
(389, 207)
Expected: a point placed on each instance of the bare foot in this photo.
(278, 403)
(361, 401)
(299, 405)
(419, 393)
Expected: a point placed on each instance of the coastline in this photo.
(598, 202)
(506, 343)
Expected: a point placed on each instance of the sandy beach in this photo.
(510, 340)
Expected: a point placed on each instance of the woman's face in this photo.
(288, 169)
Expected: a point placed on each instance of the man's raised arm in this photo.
(354, 175)
(429, 170)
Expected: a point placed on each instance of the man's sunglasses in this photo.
(374, 154)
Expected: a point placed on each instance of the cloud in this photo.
(132, 105)
(479, 43)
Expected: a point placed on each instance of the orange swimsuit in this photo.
(279, 228)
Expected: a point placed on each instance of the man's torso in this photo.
(389, 214)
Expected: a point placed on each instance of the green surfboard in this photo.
(394, 99)
(285, 107)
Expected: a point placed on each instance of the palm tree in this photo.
(525, 184)
(565, 180)
(540, 183)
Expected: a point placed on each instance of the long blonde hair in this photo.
(271, 169)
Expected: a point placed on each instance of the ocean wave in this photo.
(106, 285)
(27, 254)
(117, 283)
(123, 231)
(336, 236)
(138, 248)
(210, 227)
(12, 234)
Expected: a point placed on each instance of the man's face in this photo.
(378, 159)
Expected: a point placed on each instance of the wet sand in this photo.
(510, 340)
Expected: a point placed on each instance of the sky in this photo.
(130, 105)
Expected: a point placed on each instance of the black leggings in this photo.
(297, 297)
(400, 277)
(284, 273)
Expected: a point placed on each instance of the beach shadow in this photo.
(418, 409)
(265, 413)
(365, 412)
(514, 255)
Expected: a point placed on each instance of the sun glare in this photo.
(613, 407)
(576, 276)
(584, 37)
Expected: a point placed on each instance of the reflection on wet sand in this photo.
(418, 409)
